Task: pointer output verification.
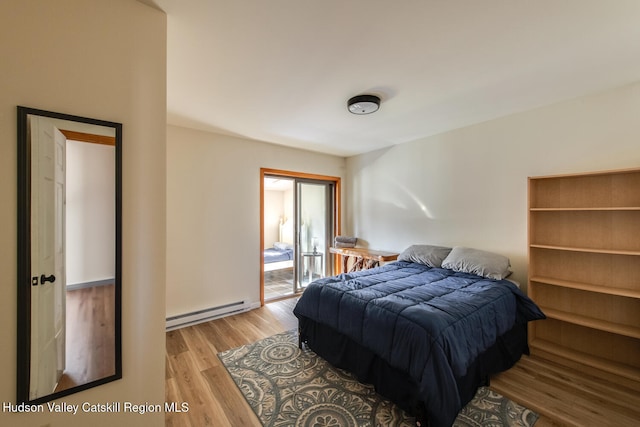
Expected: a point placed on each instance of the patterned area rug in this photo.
(287, 386)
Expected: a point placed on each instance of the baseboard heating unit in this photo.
(188, 319)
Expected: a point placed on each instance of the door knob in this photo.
(44, 279)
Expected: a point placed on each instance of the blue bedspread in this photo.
(276, 255)
(429, 322)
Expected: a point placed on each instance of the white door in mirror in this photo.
(48, 297)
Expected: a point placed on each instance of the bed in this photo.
(426, 330)
(278, 257)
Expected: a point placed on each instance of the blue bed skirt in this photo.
(397, 385)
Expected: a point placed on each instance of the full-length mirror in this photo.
(69, 258)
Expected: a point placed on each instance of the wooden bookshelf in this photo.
(584, 269)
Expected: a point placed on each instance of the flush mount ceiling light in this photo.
(364, 104)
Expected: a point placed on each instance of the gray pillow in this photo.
(428, 255)
(476, 261)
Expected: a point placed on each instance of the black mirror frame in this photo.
(23, 365)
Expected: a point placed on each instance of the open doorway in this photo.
(90, 246)
(299, 219)
(278, 235)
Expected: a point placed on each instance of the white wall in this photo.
(469, 186)
(313, 212)
(102, 59)
(90, 212)
(278, 206)
(288, 232)
(273, 212)
(213, 214)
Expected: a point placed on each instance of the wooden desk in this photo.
(364, 258)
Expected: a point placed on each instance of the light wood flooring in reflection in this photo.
(194, 374)
(90, 335)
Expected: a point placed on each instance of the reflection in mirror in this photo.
(68, 254)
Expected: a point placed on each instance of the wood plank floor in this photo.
(194, 374)
(568, 397)
(90, 335)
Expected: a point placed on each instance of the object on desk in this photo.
(344, 245)
(345, 242)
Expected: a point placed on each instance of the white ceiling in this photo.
(278, 184)
(282, 71)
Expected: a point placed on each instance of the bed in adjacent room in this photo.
(426, 330)
(278, 257)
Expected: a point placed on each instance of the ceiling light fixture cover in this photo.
(364, 104)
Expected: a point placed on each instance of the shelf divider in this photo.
(588, 250)
(590, 322)
(605, 365)
(608, 290)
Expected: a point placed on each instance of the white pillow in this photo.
(476, 261)
(429, 255)
(282, 246)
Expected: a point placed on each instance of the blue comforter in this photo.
(277, 255)
(429, 322)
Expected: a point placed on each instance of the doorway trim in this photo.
(301, 175)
